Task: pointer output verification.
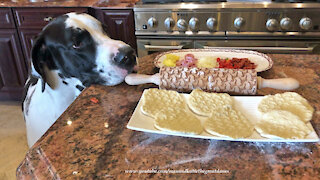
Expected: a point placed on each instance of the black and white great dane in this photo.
(72, 52)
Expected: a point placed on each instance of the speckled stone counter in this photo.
(68, 3)
(97, 145)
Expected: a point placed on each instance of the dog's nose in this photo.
(125, 57)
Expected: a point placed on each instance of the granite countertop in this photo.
(98, 145)
(68, 3)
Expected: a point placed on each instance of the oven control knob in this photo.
(182, 25)
(305, 23)
(239, 22)
(285, 23)
(211, 23)
(152, 22)
(169, 23)
(194, 24)
(272, 24)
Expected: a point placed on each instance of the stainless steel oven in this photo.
(264, 26)
(270, 46)
(148, 46)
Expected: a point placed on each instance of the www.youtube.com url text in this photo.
(172, 171)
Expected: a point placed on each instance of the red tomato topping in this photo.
(236, 63)
(94, 100)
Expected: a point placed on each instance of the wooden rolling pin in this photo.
(234, 81)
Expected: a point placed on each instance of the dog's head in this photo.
(77, 46)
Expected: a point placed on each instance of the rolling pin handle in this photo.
(281, 84)
(137, 79)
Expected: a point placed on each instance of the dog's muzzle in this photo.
(125, 58)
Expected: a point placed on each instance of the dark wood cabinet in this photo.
(13, 71)
(35, 18)
(120, 24)
(6, 18)
(27, 38)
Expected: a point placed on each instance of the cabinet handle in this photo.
(7, 18)
(48, 19)
(278, 49)
(150, 47)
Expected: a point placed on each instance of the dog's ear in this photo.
(38, 56)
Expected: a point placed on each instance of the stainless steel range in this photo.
(263, 26)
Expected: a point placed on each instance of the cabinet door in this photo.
(120, 25)
(35, 18)
(6, 18)
(13, 71)
(27, 38)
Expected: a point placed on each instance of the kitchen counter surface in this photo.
(68, 3)
(97, 143)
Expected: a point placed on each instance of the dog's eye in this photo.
(77, 45)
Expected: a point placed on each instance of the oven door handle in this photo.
(307, 49)
(162, 48)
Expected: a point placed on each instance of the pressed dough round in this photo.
(203, 103)
(282, 124)
(178, 121)
(155, 100)
(288, 101)
(228, 122)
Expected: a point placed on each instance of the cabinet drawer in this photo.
(35, 18)
(6, 18)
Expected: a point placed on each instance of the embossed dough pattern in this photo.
(183, 79)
